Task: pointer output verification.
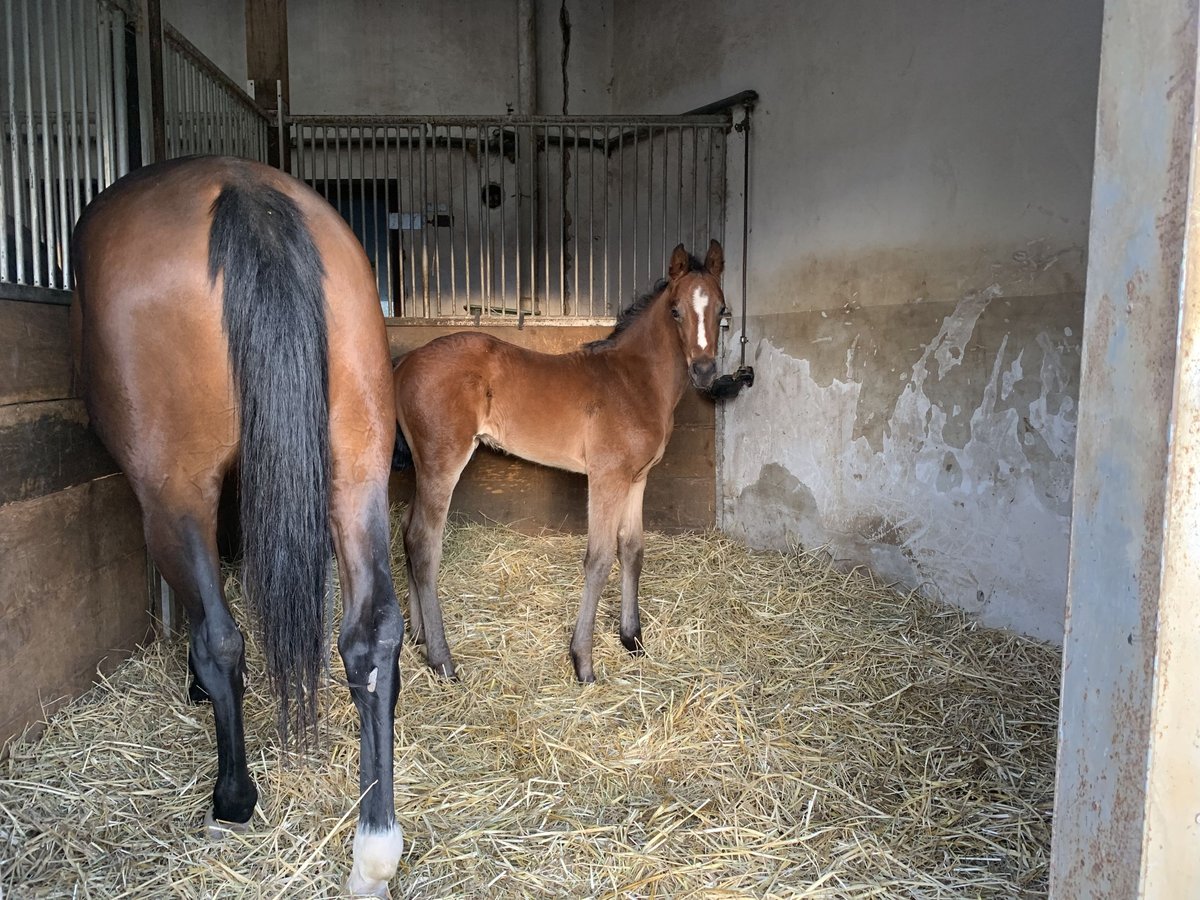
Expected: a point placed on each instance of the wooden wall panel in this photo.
(73, 583)
(680, 495)
(36, 360)
(47, 446)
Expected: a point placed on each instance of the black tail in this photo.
(274, 316)
(402, 457)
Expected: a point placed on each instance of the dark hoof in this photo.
(445, 671)
(197, 694)
(633, 643)
(582, 675)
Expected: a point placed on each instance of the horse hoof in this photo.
(633, 643)
(215, 829)
(376, 856)
(445, 671)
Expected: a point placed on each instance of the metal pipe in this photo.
(30, 161)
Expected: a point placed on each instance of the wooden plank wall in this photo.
(72, 556)
(680, 494)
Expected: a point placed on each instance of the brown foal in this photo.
(606, 410)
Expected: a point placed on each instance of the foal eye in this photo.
(724, 311)
(676, 314)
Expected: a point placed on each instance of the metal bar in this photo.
(387, 221)
(484, 297)
(591, 221)
(9, 132)
(516, 177)
(14, 149)
(575, 224)
(607, 233)
(76, 205)
(121, 120)
(30, 160)
(546, 218)
(466, 224)
(503, 208)
(708, 171)
(375, 207)
(637, 153)
(86, 80)
(662, 244)
(213, 73)
(562, 219)
(620, 221)
(695, 201)
(105, 106)
(437, 212)
(48, 224)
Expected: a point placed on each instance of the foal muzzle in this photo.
(703, 371)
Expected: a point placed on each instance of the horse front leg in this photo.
(371, 637)
(631, 548)
(606, 501)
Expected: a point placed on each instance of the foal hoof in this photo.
(633, 643)
(376, 857)
(215, 829)
(445, 671)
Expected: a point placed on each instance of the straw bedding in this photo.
(793, 732)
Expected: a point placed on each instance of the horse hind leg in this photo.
(423, 533)
(181, 539)
(370, 640)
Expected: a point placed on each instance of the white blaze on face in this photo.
(699, 304)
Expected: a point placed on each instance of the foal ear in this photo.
(680, 263)
(715, 260)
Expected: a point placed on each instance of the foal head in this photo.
(697, 304)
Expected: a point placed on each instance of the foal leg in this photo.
(630, 546)
(182, 542)
(371, 636)
(424, 529)
(606, 500)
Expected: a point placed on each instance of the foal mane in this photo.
(640, 304)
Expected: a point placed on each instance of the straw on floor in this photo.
(793, 732)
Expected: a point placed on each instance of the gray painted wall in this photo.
(919, 216)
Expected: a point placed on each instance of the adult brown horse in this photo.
(225, 316)
(606, 409)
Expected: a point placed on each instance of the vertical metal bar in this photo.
(708, 172)
(85, 81)
(516, 178)
(64, 223)
(531, 208)
(576, 225)
(696, 241)
(387, 220)
(375, 208)
(69, 26)
(30, 159)
(562, 219)
(437, 211)
(48, 224)
(637, 190)
(424, 221)
(662, 244)
(607, 175)
(591, 219)
(121, 121)
(679, 190)
(546, 217)
(414, 217)
(480, 220)
(105, 107)
(620, 218)
(503, 208)
(450, 210)
(466, 218)
(11, 134)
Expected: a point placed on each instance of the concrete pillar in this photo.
(1127, 806)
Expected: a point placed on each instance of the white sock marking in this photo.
(371, 680)
(699, 304)
(376, 855)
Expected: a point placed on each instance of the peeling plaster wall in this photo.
(919, 215)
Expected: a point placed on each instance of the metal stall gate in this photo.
(76, 116)
(498, 219)
(65, 132)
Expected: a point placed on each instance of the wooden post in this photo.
(267, 65)
(152, 106)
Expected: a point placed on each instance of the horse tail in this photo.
(274, 318)
(402, 457)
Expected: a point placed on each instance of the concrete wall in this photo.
(217, 28)
(919, 218)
